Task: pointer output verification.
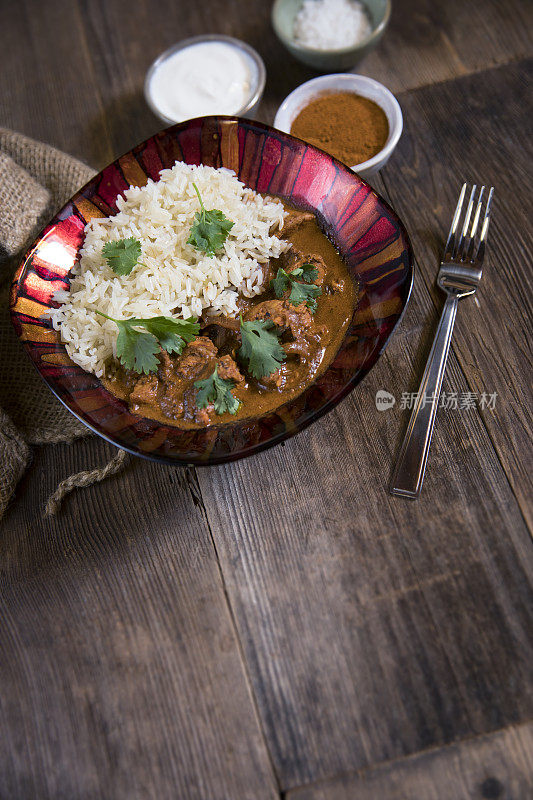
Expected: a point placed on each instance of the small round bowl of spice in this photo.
(353, 118)
(330, 34)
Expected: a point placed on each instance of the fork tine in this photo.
(484, 229)
(471, 242)
(450, 243)
(462, 245)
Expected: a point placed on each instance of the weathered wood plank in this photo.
(120, 671)
(495, 767)
(488, 145)
(425, 43)
(372, 628)
(49, 90)
(91, 79)
(429, 42)
(126, 38)
(376, 627)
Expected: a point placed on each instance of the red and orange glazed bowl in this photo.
(368, 234)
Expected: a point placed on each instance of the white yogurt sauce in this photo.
(205, 78)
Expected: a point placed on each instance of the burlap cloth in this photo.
(35, 181)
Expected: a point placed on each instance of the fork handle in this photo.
(409, 472)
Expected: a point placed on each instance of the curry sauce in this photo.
(310, 341)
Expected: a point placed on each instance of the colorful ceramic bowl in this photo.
(367, 233)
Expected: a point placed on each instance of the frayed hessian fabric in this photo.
(35, 181)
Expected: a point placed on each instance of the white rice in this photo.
(174, 278)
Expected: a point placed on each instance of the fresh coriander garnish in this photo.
(137, 350)
(122, 255)
(305, 293)
(260, 347)
(300, 292)
(281, 282)
(218, 391)
(307, 272)
(210, 229)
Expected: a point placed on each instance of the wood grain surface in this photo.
(120, 670)
(492, 334)
(350, 603)
(282, 626)
(496, 767)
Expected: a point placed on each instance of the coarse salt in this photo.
(331, 24)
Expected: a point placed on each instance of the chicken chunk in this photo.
(294, 219)
(145, 390)
(227, 369)
(198, 354)
(284, 315)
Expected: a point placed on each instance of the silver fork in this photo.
(459, 275)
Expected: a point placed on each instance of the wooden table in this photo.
(282, 627)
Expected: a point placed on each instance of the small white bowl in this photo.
(258, 74)
(357, 84)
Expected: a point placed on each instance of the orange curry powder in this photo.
(349, 127)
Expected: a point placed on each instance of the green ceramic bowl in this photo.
(283, 14)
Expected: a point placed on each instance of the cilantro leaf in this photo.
(171, 333)
(210, 229)
(122, 255)
(300, 292)
(307, 272)
(138, 350)
(281, 282)
(305, 293)
(260, 347)
(218, 391)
